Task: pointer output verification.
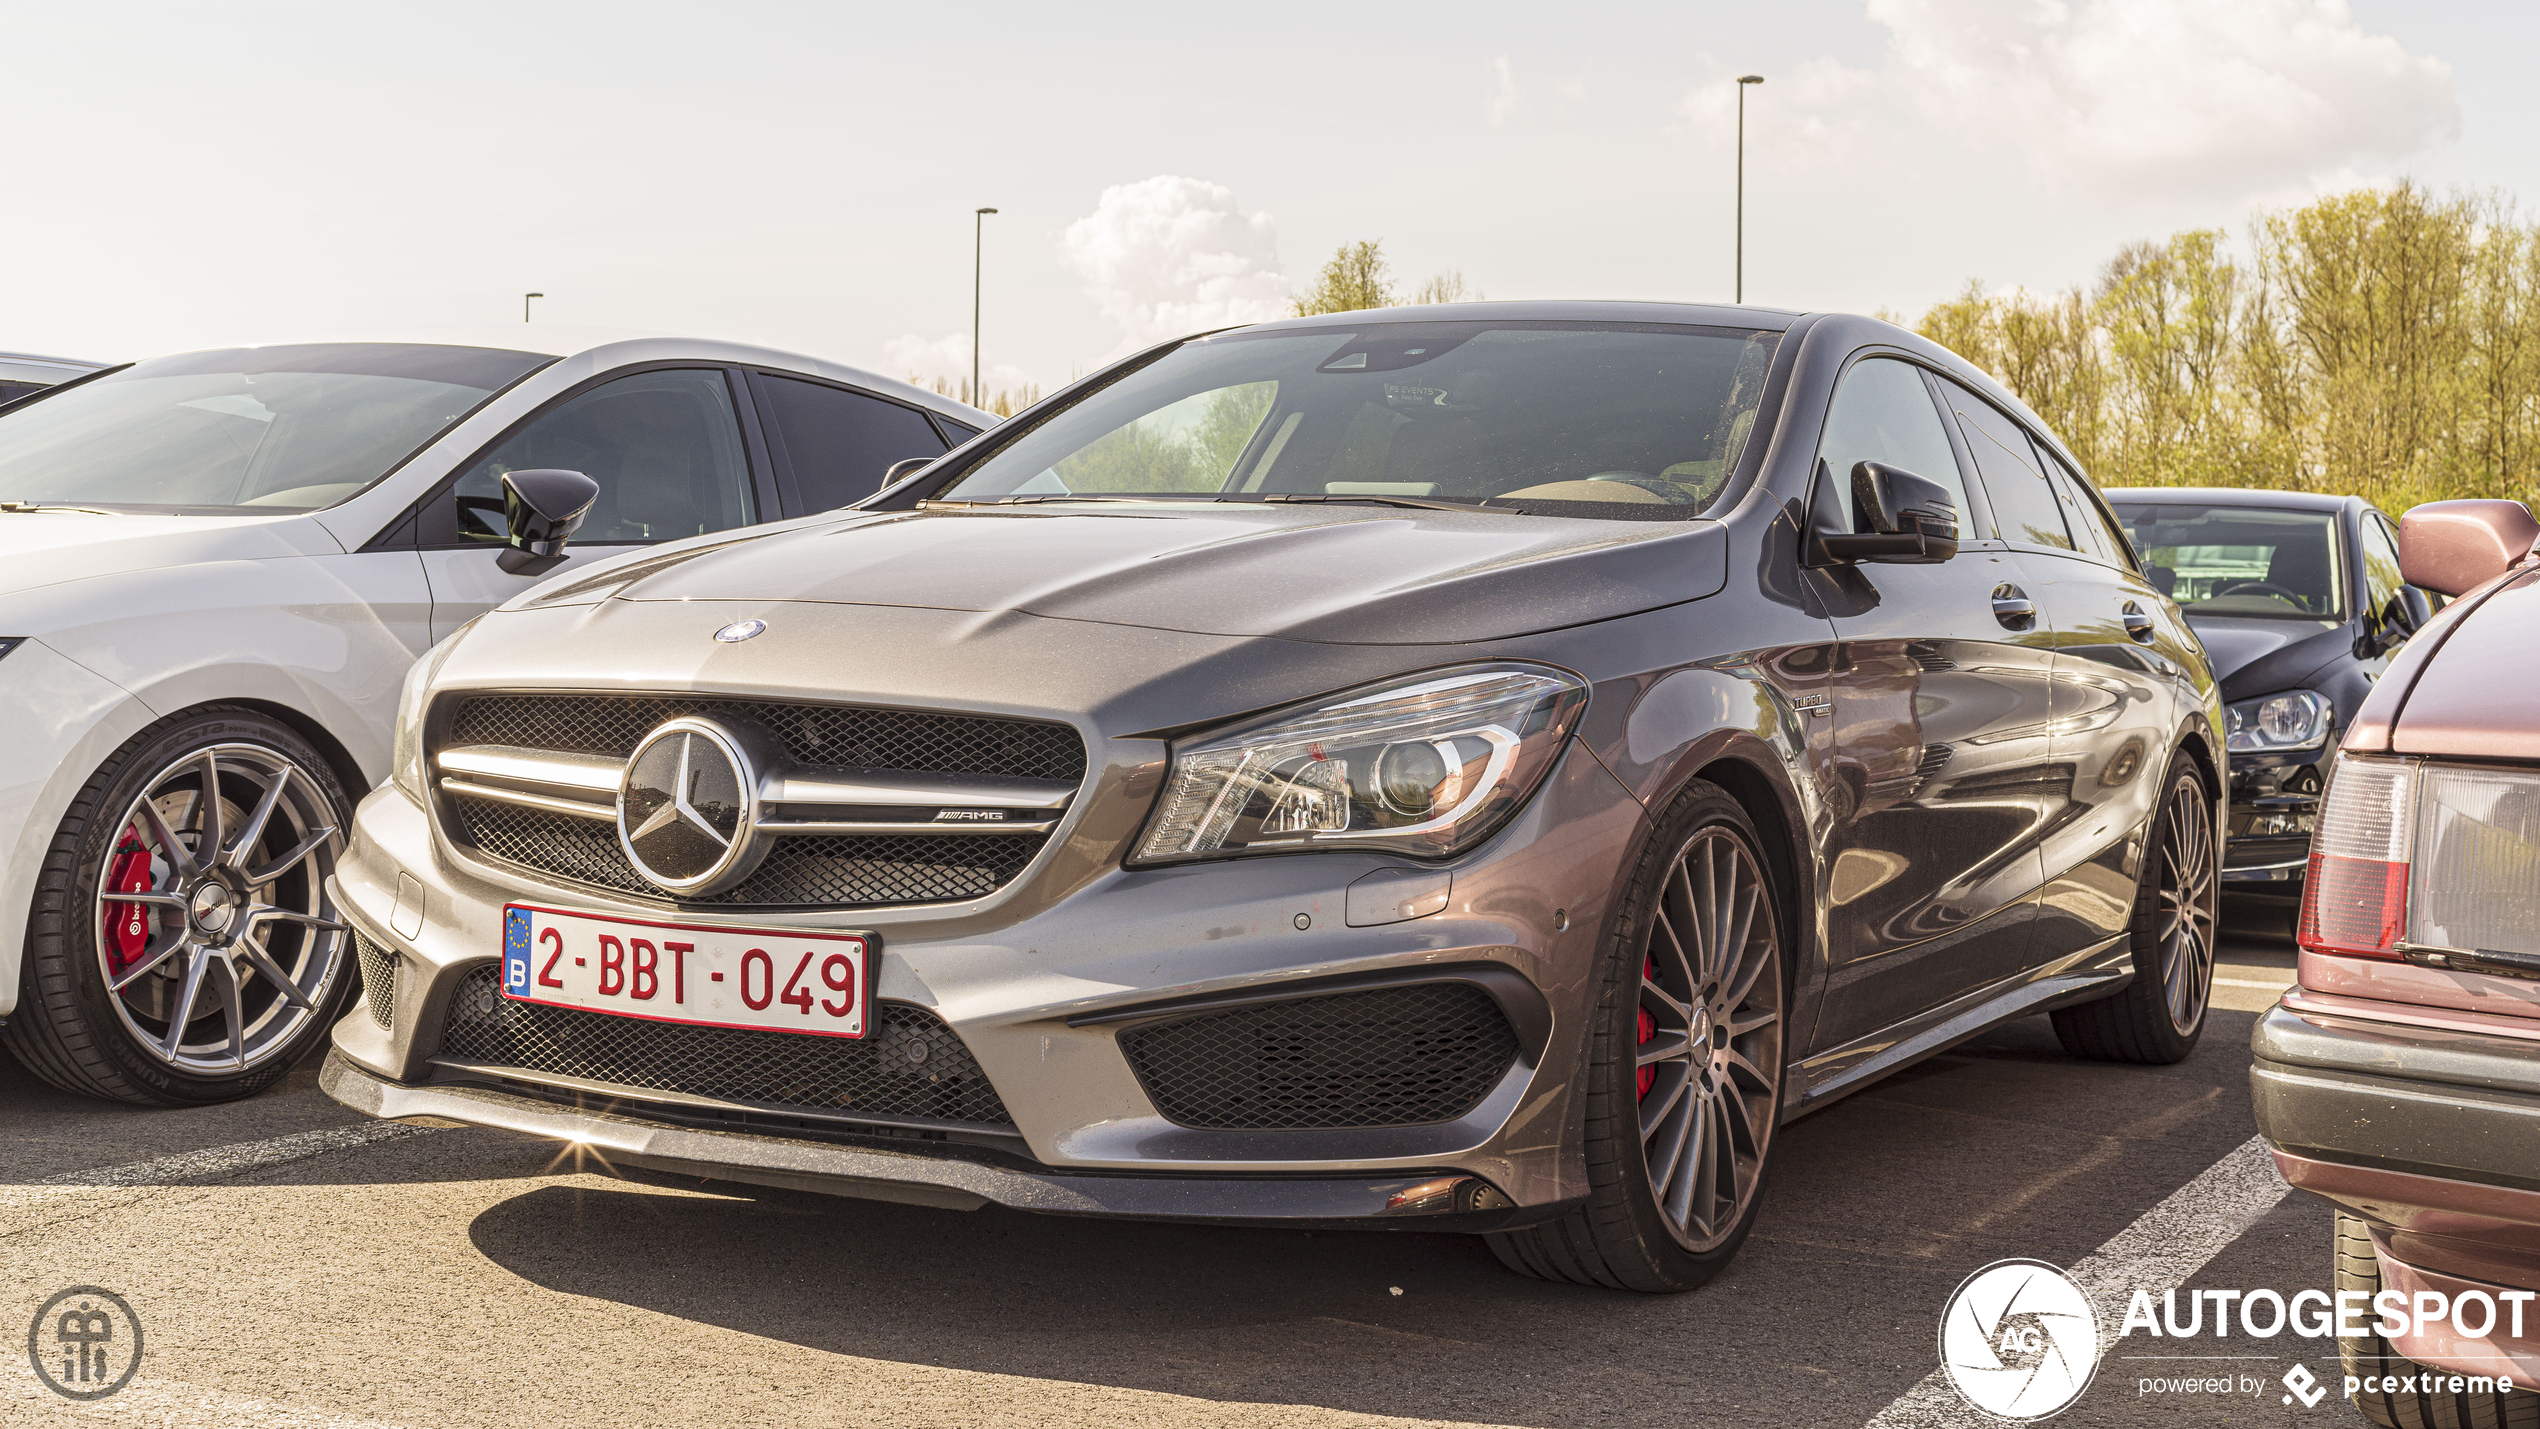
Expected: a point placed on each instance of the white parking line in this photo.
(2164, 1246)
(240, 1157)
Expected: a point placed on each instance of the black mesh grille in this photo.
(823, 736)
(801, 871)
(909, 1065)
(379, 979)
(1396, 1056)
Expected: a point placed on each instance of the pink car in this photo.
(2401, 1079)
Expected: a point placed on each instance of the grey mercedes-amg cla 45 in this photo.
(1467, 768)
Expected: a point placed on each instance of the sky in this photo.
(804, 175)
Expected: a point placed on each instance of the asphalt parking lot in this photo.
(288, 1271)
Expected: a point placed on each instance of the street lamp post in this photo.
(978, 237)
(1742, 82)
(524, 304)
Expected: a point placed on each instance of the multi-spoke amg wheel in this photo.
(2187, 892)
(181, 947)
(1684, 1070)
(1710, 1023)
(213, 930)
(2159, 1016)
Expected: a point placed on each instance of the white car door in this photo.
(667, 448)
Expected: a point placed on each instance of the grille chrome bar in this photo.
(584, 786)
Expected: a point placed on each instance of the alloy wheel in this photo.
(2187, 893)
(214, 930)
(1709, 1059)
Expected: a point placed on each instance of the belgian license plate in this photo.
(777, 979)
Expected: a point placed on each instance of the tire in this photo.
(2369, 1357)
(2159, 1016)
(206, 946)
(1722, 1001)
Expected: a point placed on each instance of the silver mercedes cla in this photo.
(1476, 768)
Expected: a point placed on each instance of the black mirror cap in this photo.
(542, 508)
(1898, 518)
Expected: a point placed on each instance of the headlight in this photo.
(2296, 719)
(405, 762)
(1426, 768)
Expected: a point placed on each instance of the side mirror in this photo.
(892, 473)
(2414, 607)
(542, 508)
(2455, 547)
(1898, 518)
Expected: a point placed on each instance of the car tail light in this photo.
(2355, 900)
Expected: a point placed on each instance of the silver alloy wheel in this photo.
(1710, 1047)
(2188, 891)
(214, 931)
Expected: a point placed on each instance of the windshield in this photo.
(247, 431)
(2238, 560)
(1562, 418)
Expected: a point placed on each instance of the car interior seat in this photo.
(2163, 578)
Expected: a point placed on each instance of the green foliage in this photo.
(2383, 342)
(1188, 446)
(1357, 277)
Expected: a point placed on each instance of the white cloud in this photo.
(927, 361)
(1167, 256)
(2170, 94)
(1503, 95)
(2207, 98)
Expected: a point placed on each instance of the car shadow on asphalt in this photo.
(1881, 1204)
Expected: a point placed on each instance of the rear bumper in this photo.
(601, 1139)
(2432, 1137)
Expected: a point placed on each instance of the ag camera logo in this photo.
(2019, 1340)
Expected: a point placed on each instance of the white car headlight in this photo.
(1428, 767)
(405, 763)
(2296, 719)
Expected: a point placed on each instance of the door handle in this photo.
(2013, 608)
(2137, 624)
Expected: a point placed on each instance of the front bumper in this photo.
(2432, 1136)
(1036, 982)
(606, 1141)
(2274, 807)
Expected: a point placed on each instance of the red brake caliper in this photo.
(128, 924)
(1648, 1028)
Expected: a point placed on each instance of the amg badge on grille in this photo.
(687, 808)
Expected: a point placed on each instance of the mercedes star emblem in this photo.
(687, 807)
(739, 631)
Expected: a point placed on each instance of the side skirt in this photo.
(2094, 972)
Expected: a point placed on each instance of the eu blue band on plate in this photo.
(515, 950)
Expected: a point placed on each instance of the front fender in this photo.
(60, 721)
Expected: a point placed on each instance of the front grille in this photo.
(1396, 1056)
(909, 1066)
(821, 736)
(801, 870)
(379, 979)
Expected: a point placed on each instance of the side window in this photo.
(840, 442)
(2085, 513)
(2025, 507)
(2381, 564)
(665, 448)
(955, 432)
(1883, 412)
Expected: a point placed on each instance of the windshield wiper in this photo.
(26, 506)
(1420, 503)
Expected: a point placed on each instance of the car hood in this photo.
(1332, 575)
(2259, 657)
(42, 548)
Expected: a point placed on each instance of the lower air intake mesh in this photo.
(1396, 1056)
(909, 1066)
(379, 979)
